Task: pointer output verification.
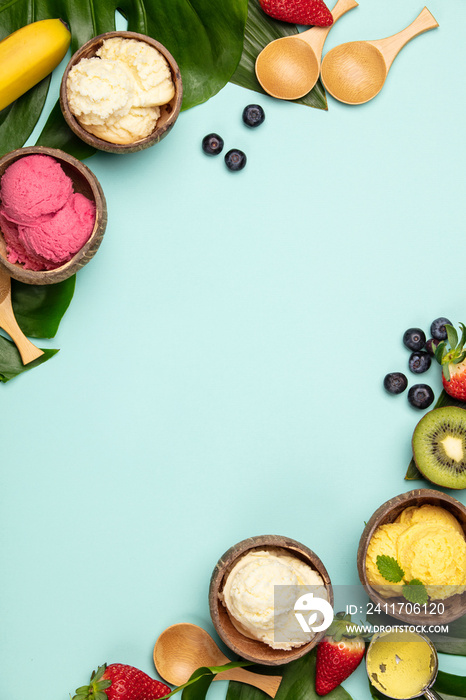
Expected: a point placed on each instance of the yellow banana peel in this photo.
(28, 55)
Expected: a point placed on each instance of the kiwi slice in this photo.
(439, 446)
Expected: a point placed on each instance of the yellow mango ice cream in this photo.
(251, 603)
(400, 663)
(429, 544)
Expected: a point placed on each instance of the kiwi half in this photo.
(439, 446)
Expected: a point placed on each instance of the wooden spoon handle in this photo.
(392, 45)
(316, 36)
(27, 350)
(340, 8)
(269, 684)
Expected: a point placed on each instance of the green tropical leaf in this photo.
(40, 308)
(199, 683)
(19, 119)
(259, 31)
(450, 686)
(241, 691)
(207, 46)
(10, 360)
(455, 641)
(298, 683)
(57, 134)
(198, 690)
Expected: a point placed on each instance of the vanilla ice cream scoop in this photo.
(261, 611)
(100, 91)
(151, 72)
(117, 94)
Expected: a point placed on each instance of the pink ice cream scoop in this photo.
(33, 187)
(44, 223)
(56, 240)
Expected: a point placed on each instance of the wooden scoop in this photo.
(183, 648)
(288, 68)
(8, 322)
(355, 72)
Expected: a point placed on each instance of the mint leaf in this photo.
(415, 592)
(389, 568)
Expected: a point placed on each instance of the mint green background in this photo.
(220, 367)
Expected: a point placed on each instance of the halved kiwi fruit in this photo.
(439, 446)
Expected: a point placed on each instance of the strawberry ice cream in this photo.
(44, 223)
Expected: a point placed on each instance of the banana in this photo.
(29, 55)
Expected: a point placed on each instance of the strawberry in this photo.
(338, 654)
(451, 354)
(121, 682)
(313, 12)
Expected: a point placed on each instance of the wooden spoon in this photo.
(183, 648)
(355, 72)
(288, 68)
(8, 322)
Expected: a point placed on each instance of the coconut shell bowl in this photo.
(454, 606)
(250, 649)
(84, 182)
(168, 112)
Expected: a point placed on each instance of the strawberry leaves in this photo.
(96, 687)
(414, 591)
(452, 350)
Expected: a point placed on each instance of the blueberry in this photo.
(414, 338)
(235, 159)
(419, 362)
(438, 330)
(431, 346)
(253, 115)
(420, 395)
(395, 382)
(212, 144)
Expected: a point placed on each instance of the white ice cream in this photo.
(249, 596)
(116, 95)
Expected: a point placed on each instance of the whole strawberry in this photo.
(338, 654)
(451, 354)
(313, 12)
(121, 682)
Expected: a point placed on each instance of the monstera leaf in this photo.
(205, 38)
